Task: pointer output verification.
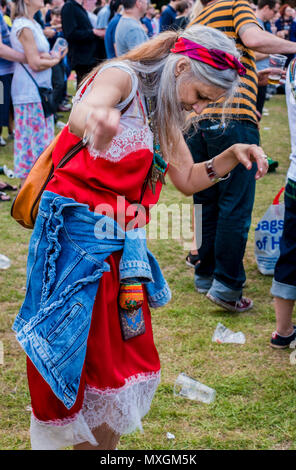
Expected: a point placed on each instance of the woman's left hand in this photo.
(247, 154)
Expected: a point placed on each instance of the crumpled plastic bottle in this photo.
(190, 388)
(4, 262)
(225, 335)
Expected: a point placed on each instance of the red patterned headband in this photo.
(215, 57)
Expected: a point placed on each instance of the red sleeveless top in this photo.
(115, 181)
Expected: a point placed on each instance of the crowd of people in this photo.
(89, 27)
(179, 97)
(95, 31)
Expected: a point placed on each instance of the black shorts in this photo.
(5, 98)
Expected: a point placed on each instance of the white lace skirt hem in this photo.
(120, 408)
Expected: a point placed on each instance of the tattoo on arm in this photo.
(248, 26)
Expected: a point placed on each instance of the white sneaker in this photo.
(2, 141)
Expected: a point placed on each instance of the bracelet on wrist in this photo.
(212, 173)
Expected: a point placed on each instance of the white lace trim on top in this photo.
(134, 134)
(130, 139)
(120, 408)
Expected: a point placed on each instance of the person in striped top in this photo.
(229, 17)
(227, 207)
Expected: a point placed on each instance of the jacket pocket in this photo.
(62, 323)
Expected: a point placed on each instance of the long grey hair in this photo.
(155, 66)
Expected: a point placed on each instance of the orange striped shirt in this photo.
(229, 16)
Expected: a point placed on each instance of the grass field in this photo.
(255, 402)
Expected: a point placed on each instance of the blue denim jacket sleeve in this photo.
(134, 264)
(158, 290)
(67, 254)
(138, 264)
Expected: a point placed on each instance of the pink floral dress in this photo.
(33, 133)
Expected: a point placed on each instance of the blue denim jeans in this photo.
(66, 260)
(284, 281)
(226, 210)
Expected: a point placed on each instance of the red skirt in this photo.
(117, 384)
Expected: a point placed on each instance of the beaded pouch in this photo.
(130, 310)
(132, 323)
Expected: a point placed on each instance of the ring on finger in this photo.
(85, 139)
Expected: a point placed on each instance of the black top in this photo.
(180, 23)
(38, 18)
(85, 48)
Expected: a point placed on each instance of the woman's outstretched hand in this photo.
(247, 154)
(101, 126)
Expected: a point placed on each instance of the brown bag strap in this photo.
(79, 146)
(70, 154)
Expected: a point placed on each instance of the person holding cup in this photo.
(33, 131)
(276, 63)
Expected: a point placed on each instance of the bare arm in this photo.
(33, 58)
(8, 53)
(49, 32)
(262, 41)
(95, 116)
(99, 32)
(190, 177)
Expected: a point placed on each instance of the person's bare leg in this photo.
(283, 312)
(105, 436)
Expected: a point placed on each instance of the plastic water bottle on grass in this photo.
(225, 335)
(190, 388)
(4, 262)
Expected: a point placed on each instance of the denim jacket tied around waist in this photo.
(66, 259)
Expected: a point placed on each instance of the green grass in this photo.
(255, 402)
